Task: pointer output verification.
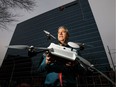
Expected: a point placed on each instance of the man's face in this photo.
(62, 35)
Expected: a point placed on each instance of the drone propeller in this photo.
(73, 45)
(49, 34)
(32, 51)
(18, 46)
(27, 47)
(76, 45)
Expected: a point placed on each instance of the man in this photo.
(60, 72)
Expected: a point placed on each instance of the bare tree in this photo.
(6, 16)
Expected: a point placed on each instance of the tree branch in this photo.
(8, 17)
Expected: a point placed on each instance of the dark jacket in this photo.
(68, 73)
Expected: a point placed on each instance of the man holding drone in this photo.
(60, 72)
(60, 68)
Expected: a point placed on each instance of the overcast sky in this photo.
(103, 10)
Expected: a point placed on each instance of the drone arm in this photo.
(84, 61)
(104, 75)
(87, 65)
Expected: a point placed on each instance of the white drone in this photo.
(69, 53)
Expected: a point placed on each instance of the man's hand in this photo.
(49, 58)
(71, 64)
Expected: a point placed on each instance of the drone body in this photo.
(63, 52)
